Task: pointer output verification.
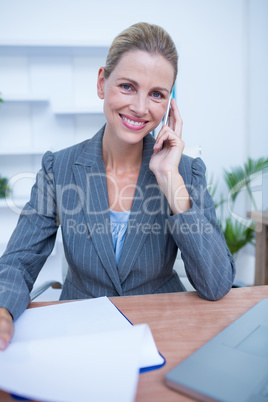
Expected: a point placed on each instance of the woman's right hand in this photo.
(6, 328)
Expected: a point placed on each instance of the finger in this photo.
(6, 330)
(6, 336)
(175, 120)
(160, 140)
(165, 134)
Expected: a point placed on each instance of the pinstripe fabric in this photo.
(71, 192)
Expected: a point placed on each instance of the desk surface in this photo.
(181, 323)
(259, 216)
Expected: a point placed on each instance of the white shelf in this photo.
(33, 43)
(3, 203)
(77, 111)
(55, 80)
(57, 49)
(41, 99)
(23, 98)
(19, 202)
(17, 152)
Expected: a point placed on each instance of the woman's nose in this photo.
(139, 105)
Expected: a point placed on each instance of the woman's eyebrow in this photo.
(129, 80)
(161, 89)
(137, 84)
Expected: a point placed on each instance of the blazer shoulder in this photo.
(53, 162)
(83, 153)
(71, 153)
(191, 168)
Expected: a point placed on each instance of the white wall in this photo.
(258, 77)
(222, 87)
(222, 83)
(258, 87)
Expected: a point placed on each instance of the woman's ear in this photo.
(100, 83)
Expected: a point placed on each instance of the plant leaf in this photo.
(237, 235)
(240, 177)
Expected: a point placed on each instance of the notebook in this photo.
(232, 366)
(82, 351)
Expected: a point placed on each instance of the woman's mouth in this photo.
(133, 123)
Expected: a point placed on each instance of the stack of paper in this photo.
(79, 351)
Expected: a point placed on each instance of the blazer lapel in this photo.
(90, 175)
(89, 172)
(147, 201)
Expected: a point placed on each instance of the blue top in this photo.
(119, 222)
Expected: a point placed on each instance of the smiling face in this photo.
(135, 94)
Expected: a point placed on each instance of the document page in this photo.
(77, 351)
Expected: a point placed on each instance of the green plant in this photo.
(237, 235)
(237, 231)
(4, 187)
(1, 100)
(240, 177)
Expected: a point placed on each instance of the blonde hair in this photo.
(146, 37)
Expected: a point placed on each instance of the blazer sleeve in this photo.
(30, 244)
(208, 262)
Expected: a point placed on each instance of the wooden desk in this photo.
(180, 323)
(261, 253)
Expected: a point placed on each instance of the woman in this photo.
(125, 203)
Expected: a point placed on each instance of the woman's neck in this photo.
(119, 156)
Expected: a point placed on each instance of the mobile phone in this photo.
(168, 110)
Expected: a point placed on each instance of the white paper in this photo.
(78, 351)
(66, 319)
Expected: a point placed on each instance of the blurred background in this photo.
(50, 52)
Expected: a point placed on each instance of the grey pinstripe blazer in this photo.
(71, 192)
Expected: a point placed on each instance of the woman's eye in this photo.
(157, 95)
(126, 87)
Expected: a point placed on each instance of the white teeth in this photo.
(134, 123)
